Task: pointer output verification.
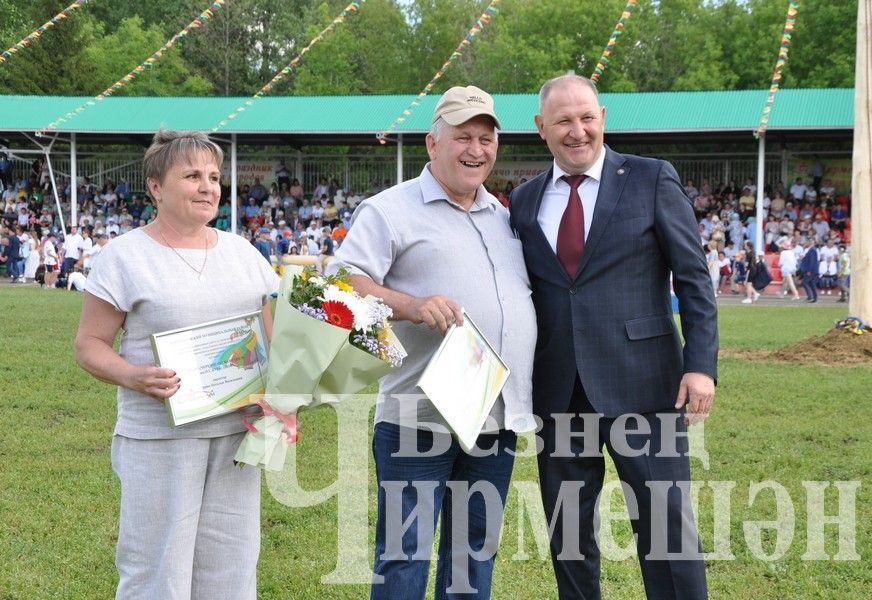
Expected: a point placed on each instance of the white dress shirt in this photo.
(557, 195)
(73, 246)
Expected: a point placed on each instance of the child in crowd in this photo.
(844, 274)
(787, 264)
(725, 270)
(714, 266)
(740, 272)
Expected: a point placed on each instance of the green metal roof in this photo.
(362, 115)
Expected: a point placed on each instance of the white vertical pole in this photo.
(761, 167)
(233, 199)
(399, 158)
(785, 174)
(298, 170)
(861, 182)
(74, 189)
(54, 189)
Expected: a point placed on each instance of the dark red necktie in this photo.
(570, 236)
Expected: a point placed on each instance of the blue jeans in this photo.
(411, 482)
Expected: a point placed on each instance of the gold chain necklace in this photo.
(199, 271)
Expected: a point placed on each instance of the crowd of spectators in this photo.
(279, 219)
(795, 219)
(284, 219)
(33, 243)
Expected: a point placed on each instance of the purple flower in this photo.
(315, 313)
(393, 355)
(367, 343)
(379, 312)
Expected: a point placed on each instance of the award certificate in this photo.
(220, 363)
(463, 380)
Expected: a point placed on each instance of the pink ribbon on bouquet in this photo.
(289, 421)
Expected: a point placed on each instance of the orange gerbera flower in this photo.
(338, 314)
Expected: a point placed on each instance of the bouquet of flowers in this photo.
(327, 341)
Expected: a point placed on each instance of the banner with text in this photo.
(515, 172)
(248, 170)
(837, 170)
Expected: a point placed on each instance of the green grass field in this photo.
(772, 421)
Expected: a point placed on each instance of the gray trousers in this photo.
(190, 519)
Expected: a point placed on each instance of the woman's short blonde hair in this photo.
(169, 148)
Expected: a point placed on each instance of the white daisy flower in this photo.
(359, 308)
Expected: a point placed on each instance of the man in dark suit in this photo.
(14, 263)
(810, 269)
(602, 232)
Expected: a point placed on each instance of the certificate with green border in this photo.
(220, 363)
(463, 380)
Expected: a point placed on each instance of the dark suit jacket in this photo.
(14, 246)
(612, 323)
(810, 262)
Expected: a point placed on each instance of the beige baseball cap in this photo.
(459, 104)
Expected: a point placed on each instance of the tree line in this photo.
(396, 46)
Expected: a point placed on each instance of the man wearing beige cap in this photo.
(430, 247)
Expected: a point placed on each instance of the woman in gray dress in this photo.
(189, 524)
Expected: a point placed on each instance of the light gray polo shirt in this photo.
(411, 238)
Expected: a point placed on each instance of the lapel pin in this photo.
(621, 171)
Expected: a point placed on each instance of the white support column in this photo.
(54, 189)
(399, 158)
(298, 170)
(74, 189)
(785, 173)
(761, 168)
(233, 200)
(861, 183)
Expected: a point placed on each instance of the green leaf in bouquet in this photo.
(308, 286)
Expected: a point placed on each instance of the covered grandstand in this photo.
(706, 134)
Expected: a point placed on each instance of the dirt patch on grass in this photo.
(744, 354)
(835, 348)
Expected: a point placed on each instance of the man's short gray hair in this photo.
(168, 148)
(437, 127)
(551, 83)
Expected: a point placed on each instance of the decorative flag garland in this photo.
(340, 18)
(613, 40)
(38, 33)
(779, 66)
(484, 19)
(195, 24)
